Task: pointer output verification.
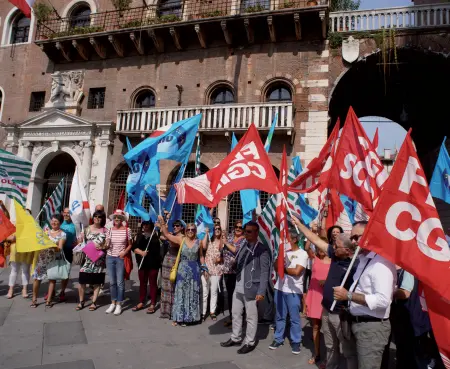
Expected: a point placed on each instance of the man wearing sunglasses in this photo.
(252, 277)
(369, 299)
(341, 255)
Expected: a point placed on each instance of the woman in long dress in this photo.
(186, 307)
(320, 268)
(93, 273)
(167, 288)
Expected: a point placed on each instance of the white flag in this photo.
(78, 203)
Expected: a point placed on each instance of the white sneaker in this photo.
(118, 310)
(110, 309)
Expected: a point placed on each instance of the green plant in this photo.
(42, 11)
(169, 18)
(121, 5)
(335, 40)
(255, 8)
(287, 4)
(214, 13)
(339, 5)
(132, 24)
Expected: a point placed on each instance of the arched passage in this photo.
(411, 91)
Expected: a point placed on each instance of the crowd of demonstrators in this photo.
(379, 302)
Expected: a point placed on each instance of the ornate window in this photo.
(278, 92)
(221, 95)
(144, 99)
(20, 29)
(80, 16)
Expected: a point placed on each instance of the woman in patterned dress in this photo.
(93, 273)
(186, 305)
(167, 288)
(47, 256)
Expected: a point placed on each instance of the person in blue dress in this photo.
(186, 307)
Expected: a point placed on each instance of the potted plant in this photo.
(42, 11)
(121, 6)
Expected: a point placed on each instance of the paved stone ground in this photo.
(62, 337)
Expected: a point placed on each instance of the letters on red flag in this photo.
(405, 227)
(6, 227)
(246, 167)
(308, 180)
(357, 170)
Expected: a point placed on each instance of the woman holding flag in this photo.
(46, 256)
(186, 306)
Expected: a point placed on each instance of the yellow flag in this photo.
(29, 236)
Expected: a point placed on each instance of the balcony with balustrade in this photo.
(217, 119)
(175, 25)
(401, 18)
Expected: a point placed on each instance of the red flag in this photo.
(308, 180)
(405, 228)
(24, 6)
(6, 227)
(335, 208)
(121, 202)
(281, 215)
(375, 141)
(246, 167)
(357, 170)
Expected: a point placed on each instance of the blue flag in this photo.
(203, 219)
(175, 144)
(171, 204)
(349, 206)
(440, 181)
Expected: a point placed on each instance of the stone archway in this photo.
(407, 91)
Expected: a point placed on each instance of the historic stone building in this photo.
(76, 82)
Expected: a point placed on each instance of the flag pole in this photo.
(347, 273)
(290, 212)
(159, 198)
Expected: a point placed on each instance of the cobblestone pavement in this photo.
(62, 337)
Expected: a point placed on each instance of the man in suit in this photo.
(252, 277)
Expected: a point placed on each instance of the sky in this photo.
(371, 4)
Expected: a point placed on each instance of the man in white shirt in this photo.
(288, 296)
(370, 298)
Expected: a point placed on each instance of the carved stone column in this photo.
(87, 162)
(25, 149)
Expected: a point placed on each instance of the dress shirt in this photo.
(377, 283)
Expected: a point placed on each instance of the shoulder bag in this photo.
(174, 270)
(79, 257)
(344, 314)
(59, 268)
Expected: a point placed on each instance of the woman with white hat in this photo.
(119, 242)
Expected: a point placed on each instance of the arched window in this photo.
(221, 95)
(80, 16)
(20, 29)
(144, 99)
(278, 92)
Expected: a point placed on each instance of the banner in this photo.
(440, 182)
(246, 167)
(78, 203)
(29, 236)
(6, 227)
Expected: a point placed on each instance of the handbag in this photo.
(91, 251)
(344, 314)
(58, 269)
(174, 270)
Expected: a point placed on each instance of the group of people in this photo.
(359, 315)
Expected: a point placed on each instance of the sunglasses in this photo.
(355, 237)
(249, 231)
(217, 222)
(117, 218)
(191, 230)
(99, 217)
(177, 225)
(217, 229)
(240, 228)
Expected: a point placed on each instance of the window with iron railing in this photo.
(96, 99)
(37, 101)
(80, 17)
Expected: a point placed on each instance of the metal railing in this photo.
(225, 117)
(167, 11)
(419, 16)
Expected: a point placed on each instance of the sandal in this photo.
(151, 309)
(34, 304)
(80, 306)
(137, 307)
(203, 317)
(93, 306)
(213, 317)
(314, 359)
(174, 324)
(49, 304)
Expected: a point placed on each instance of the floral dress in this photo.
(186, 306)
(47, 256)
(212, 253)
(89, 272)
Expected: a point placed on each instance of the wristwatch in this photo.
(349, 296)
